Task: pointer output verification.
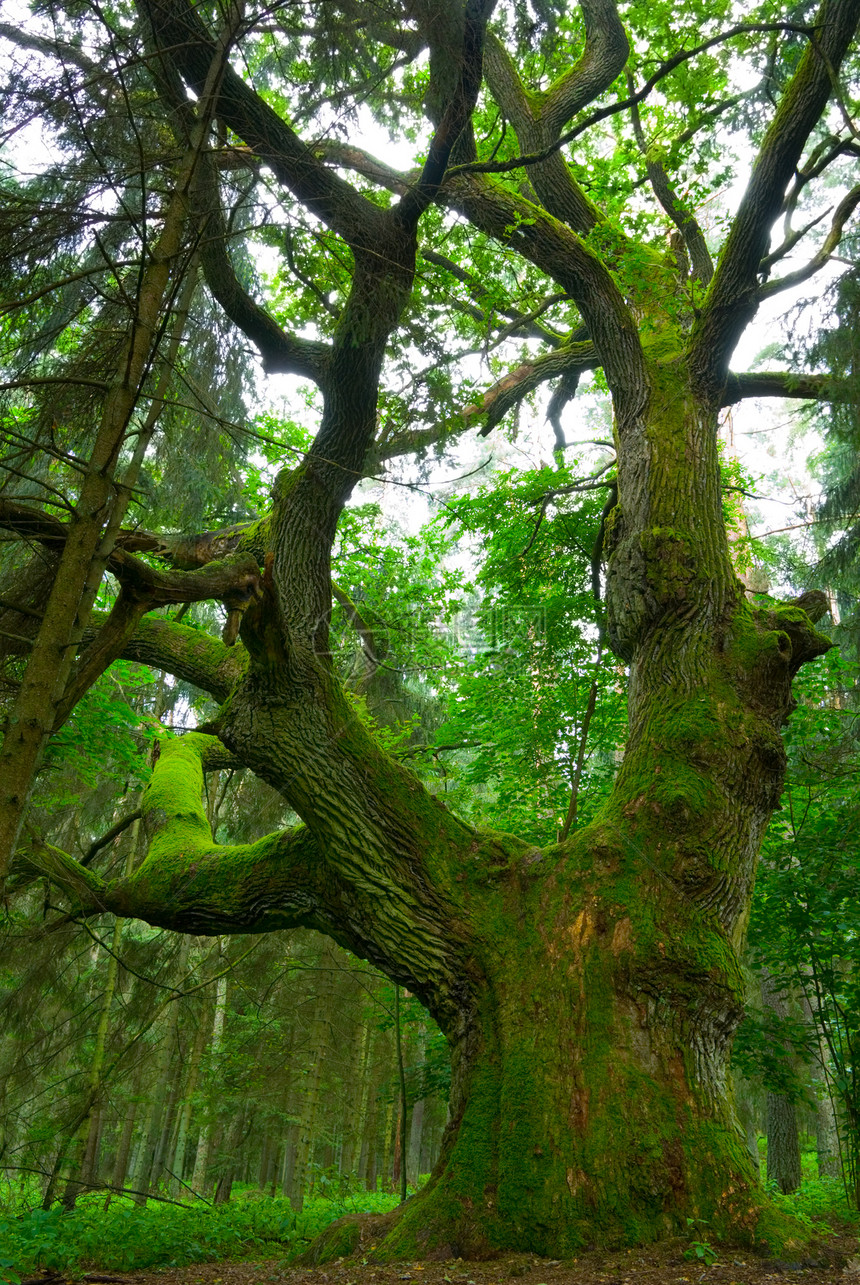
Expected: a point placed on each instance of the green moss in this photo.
(256, 538)
(182, 853)
(665, 346)
(791, 615)
(779, 1233)
(339, 1240)
(670, 562)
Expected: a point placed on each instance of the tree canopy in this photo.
(191, 207)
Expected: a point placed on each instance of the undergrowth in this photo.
(128, 1237)
(821, 1203)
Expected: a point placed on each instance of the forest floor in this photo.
(663, 1264)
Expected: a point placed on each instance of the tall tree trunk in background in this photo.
(160, 1095)
(290, 1148)
(186, 1108)
(268, 1160)
(355, 1105)
(204, 1140)
(416, 1124)
(783, 1141)
(281, 1127)
(399, 1176)
(368, 1160)
(230, 1159)
(168, 1121)
(318, 1045)
(83, 1153)
(827, 1147)
(276, 1168)
(123, 1150)
(387, 1146)
(416, 1132)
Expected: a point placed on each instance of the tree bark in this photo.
(318, 1043)
(588, 992)
(827, 1149)
(783, 1143)
(200, 1176)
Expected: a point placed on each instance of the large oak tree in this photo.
(589, 991)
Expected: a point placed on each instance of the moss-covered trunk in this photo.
(593, 1111)
(592, 1099)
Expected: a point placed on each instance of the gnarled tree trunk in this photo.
(589, 992)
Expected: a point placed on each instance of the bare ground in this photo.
(664, 1264)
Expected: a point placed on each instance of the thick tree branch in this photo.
(603, 58)
(184, 552)
(235, 581)
(30, 523)
(567, 360)
(513, 387)
(190, 884)
(562, 255)
(51, 48)
(235, 578)
(349, 157)
(188, 654)
(468, 59)
(542, 240)
(602, 113)
(684, 220)
(281, 352)
(555, 185)
(733, 296)
(785, 383)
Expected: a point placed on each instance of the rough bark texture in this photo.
(783, 1143)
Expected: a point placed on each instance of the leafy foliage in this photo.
(530, 654)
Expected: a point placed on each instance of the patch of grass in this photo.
(127, 1237)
